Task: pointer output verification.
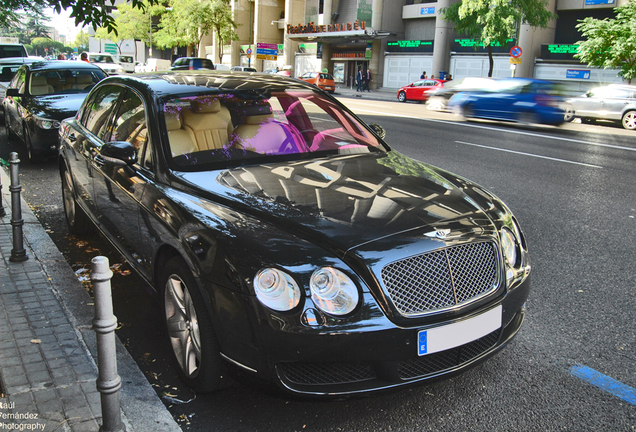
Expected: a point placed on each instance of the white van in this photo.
(127, 62)
(153, 64)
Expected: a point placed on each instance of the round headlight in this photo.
(276, 289)
(47, 123)
(333, 292)
(509, 246)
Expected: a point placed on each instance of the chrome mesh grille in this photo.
(442, 279)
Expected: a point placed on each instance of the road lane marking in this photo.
(529, 154)
(612, 146)
(608, 384)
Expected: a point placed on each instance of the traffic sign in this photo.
(515, 51)
(249, 51)
(515, 61)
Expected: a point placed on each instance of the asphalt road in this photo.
(572, 189)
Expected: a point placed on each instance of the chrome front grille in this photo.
(443, 278)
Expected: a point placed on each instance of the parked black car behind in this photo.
(286, 239)
(40, 96)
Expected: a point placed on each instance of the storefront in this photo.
(341, 48)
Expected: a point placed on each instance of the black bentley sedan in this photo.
(286, 239)
(40, 96)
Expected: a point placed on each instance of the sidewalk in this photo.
(48, 350)
(379, 94)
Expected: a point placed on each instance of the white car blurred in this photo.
(106, 62)
(154, 64)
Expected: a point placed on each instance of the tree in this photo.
(495, 21)
(188, 20)
(224, 25)
(81, 41)
(42, 45)
(610, 43)
(28, 25)
(35, 24)
(131, 23)
(88, 12)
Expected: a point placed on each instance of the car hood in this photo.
(56, 107)
(344, 202)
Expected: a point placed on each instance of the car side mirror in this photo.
(119, 153)
(12, 92)
(379, 130)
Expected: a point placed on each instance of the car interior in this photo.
(208, 128)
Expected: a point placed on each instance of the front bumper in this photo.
(374, 354)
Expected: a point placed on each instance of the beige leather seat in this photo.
(263, 134)
(181, 140)
(244, 136)
(39, 86)
(68, 83)
(83, 81)
(210, 123)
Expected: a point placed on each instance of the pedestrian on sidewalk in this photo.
(359, 79)
(367, 81)
(423, 76)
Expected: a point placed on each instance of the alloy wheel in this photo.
(629, 120)
(183, 325)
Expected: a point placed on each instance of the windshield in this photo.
(227, 129)
(63, 81)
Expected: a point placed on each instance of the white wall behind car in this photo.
(401, 70)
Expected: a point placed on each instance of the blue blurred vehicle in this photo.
(522, 100)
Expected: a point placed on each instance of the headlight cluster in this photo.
(513, 248)
(45, 123)
(276, 289)
(332, 291)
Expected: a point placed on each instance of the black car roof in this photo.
(61, 64)
(167, 83)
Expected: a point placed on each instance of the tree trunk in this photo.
(491, 60)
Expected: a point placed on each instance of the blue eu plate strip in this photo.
(608, 384)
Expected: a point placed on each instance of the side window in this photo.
(130, 122)
(99, 110)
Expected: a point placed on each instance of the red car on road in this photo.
(419, 90)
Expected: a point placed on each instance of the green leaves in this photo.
(610, 43)
(491, 21)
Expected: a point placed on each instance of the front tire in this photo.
(76, 219)
(629, 120)
(190, 331)
(32, 155)
(402, 96)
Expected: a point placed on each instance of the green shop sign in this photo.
(559, 52)
(473, 45)
(410, 46)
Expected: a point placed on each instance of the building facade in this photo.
(397, 40)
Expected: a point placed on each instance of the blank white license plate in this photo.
(453, 335)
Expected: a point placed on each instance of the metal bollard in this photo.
(104, 324)
(2, 212)
(18, 253)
